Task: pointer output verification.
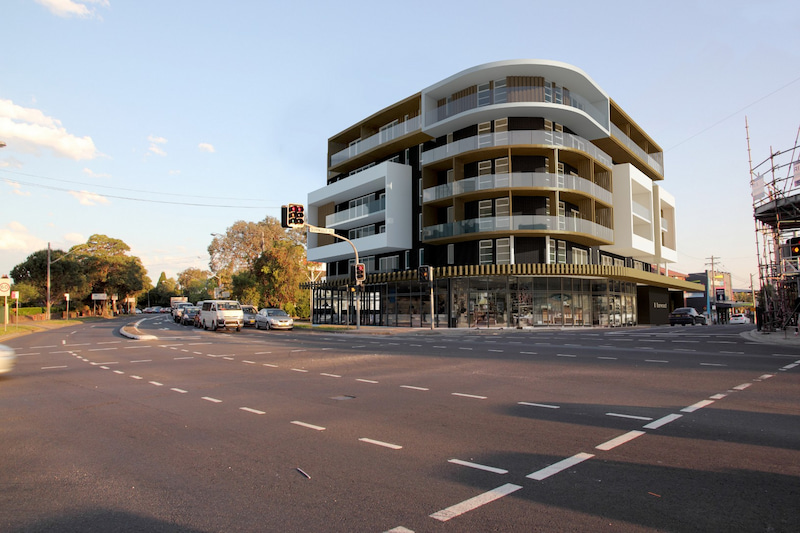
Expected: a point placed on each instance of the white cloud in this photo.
(72, 8)
(89, 172)
(206, 147)
(174, 172)
(16, 188)
(89, 198)
(154, 145)
(28, 129)
(15, 237)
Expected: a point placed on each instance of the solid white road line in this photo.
(309, 426)
(478, 466)
(622, 439)
(546, 406)
(473, 503)
(381, 443)
(662, 421)
(560, 466)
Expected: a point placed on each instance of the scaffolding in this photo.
(775, 187)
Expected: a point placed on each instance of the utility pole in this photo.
(711, 286)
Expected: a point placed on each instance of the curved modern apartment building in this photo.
(535, 198)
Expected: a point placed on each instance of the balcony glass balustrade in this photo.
(521, 137)
(384, 136)
(548, 223)
(656, 161)
(359, 211)
(516, 95)
(516, 180)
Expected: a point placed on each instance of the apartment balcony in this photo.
(517, 223)
(516, 180)
(359, 215)
(655, 161)
(384, 136)
(554, 139)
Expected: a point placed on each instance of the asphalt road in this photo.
(645, 429)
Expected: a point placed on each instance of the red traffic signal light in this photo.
(293, 216)
(361, 272)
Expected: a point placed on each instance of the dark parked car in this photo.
(250, 313)
(686, 315)
(188, 314)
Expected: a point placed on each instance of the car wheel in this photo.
(205, 326)
(213, 325)
(269, 326)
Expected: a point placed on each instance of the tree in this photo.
(244, 242)
(66, 275)
(280, 272)
(194, 284)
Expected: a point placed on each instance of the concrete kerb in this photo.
(131, 331)
(783, 338)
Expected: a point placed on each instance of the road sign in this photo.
(326, 231)
(5, 286)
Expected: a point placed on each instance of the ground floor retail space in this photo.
(486, 301)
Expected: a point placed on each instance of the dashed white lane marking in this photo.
(464, 348)
(254, 411)
(156, 383)
(565, 355)
(102, 349)
(329, 375)
(497, 351)
(529, 353)
(381, 443)
(105, 363)
(694, 407)
(400, 529)
(412, 387)
(366, 381)
(212, 400)
(143, 361)
(269, 365)
(248, 362)
(662, 421)
(478, 466)
(743, 386)
(109, 342)
(134, 347)
(306, 425)
(789, 366)
(468, 395)
(105, 368)
(560, 466)
(182, 358)
(53, 367)
(118, 372)
(766, 376)
(712, 364)
(655, 361)
(546, 406)
(718, 396)
(298, 370)
(622, 439)
(179, 390)
(634, 417)
(473, 503)
(136, 377)
(608, 358)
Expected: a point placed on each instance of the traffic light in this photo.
(361, 272)
(794, 247)
(293, 216)
(425, 273)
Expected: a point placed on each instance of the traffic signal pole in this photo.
(330, 231)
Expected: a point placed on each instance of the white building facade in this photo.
(535, 198)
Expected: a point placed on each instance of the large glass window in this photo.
(485, 249)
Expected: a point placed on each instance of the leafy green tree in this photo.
(194, 284)
(279, 272)
(66, 275)
(246, 288)
(29, 295)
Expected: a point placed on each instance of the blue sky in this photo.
(161, 122)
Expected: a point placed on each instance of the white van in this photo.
(226, 314)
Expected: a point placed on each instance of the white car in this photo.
(221, 314)
(7, 358)
(738, 318)
(274, 319)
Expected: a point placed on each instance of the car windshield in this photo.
(249, 309)
(228, 306)
(277, 312)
